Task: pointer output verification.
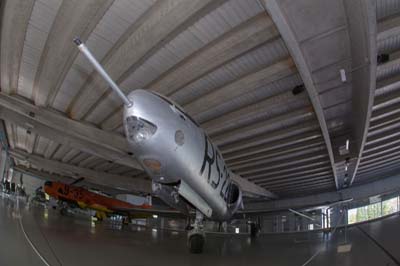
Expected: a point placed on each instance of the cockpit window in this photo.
(176, 107)
(139, 129)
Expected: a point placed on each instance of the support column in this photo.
(10, 174)
(3, 161)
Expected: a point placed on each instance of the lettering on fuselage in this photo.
(218, 179)
(72, 192)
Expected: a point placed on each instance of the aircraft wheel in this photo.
(196, 243)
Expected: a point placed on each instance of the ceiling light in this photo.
(343, 75)
(382, 58)
(298, 89)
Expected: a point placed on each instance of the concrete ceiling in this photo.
(230, 64)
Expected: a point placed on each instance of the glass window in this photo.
(373, 211)
(352, 216)
(389, 206)
(139, 129)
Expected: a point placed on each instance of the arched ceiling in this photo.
(279, 86)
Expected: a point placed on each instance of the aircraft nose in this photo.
(139, 129)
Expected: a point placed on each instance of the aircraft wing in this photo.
(171, 213)
(249, 189)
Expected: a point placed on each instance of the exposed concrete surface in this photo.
(15, 250)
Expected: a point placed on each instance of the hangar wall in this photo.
(31, 183)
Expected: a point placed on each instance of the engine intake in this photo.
(234, 198)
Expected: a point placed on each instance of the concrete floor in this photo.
(76, 241)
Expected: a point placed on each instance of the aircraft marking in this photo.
(214, 179)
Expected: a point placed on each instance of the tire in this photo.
(196, 243)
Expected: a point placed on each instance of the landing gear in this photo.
(62, 206)
(196, 241)
(254, 229)
(126, 220)
(100, 216)
(188, 227)
(196, 236)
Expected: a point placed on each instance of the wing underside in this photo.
(152, 211)
(249, 189)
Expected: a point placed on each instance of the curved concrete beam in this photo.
(241, 86)
(363, 35)
(101, 178)
(162, 23)
(274, 9)
(74, 18)
(234, 43)
(52, 125)
(382, 186)
(65, 179)
(14, 22)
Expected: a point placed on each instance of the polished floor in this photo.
(72, 241)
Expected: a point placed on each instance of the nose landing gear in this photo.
(196, 236)
(254, 230)
(196, 241)
(255, 227)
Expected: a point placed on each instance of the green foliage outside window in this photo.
(372, 211)
(389, 206)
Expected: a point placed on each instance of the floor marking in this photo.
(32, 245)
(344, 248)
(379, 245)
(312, 257)
(332, 234)
(48, 243)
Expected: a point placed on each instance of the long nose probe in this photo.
(83, 48)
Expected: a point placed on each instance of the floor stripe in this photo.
(332, 234)
(310, 259)
(32, 245)
(379, 245)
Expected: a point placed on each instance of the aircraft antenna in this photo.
(83, 48)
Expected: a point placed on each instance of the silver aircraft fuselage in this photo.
(175, 152)
(173, 149)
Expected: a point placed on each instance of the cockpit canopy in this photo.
(139, 129)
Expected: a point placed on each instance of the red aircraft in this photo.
(79, 197)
